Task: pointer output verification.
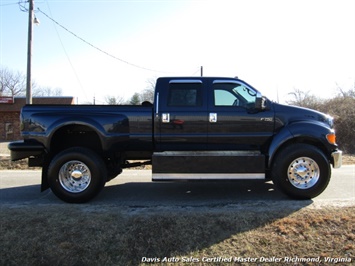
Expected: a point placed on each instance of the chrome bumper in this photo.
(337, 158)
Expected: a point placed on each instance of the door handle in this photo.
(213, 117)
(165, 118)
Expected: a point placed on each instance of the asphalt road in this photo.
(134, 189)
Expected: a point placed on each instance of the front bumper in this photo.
(337, 158)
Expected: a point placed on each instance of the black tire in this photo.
(76, 175)
(301, 171)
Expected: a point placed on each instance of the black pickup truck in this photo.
(198, 128)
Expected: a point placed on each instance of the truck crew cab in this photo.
(198, 128)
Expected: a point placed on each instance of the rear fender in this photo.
(108, 128)
(92, 124)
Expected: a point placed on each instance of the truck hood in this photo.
(289, 114)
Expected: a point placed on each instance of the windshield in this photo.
(246, 93)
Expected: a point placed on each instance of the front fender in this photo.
(278, 140)
(302, 131)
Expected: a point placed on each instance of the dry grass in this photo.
(87, 235)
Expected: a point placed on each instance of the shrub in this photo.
(342, 108)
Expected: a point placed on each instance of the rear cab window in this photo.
(185, 94)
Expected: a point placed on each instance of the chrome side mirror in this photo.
(260, 102)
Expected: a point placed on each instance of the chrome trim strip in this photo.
(218, 81)
(204, 176)
(157, 105)
(207, 153)
(185, 81)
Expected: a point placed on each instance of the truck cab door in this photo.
(181, 115)
(234, 121)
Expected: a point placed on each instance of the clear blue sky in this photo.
(275, 45)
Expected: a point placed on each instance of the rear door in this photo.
(233, 122)
(181, 119)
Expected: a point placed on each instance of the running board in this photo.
(208, 165)
(204, 176)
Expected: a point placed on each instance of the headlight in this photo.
(330, 121)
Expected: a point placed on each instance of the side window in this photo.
(185, 94)
(224, 98)
(233, 94)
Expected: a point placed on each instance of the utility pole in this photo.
(201, 71)
(29, 55)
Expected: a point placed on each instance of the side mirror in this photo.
(260, 102)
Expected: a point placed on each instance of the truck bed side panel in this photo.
(118, 127)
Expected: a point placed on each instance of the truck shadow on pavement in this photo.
(148, 194)
(191, 193)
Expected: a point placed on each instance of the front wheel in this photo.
(301, 171)
(76, 175)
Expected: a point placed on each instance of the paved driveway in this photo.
(134, 188)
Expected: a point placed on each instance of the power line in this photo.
(22, 5)
(9, 4)
(97, 48)
(65, 51)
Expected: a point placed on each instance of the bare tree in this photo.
(12, 83)
(304, 99)
(341, 107)
(349, 93)
(148, 92)
(47, 91)
(147, 95)
(112, 100)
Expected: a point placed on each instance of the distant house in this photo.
(10, 113)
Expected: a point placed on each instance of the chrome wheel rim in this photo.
(74, 176)
(303, 173)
